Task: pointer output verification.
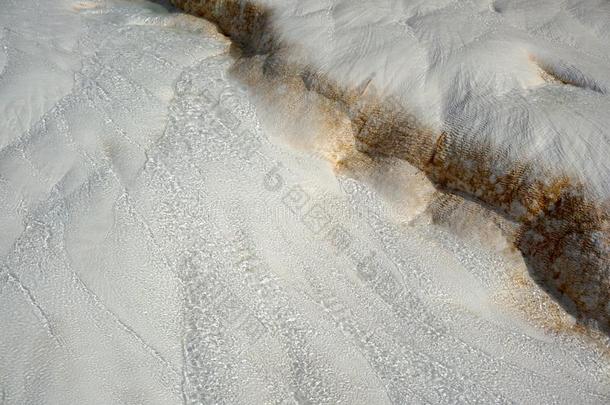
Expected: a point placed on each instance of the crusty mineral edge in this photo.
(564, 235)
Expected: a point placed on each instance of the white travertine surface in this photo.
(157, 245)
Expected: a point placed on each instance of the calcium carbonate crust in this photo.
(475, 147)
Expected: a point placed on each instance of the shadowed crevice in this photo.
(246, 23)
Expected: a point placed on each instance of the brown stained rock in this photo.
(567, 248)
(245, 22)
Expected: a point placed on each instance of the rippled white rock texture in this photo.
(166, 237)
